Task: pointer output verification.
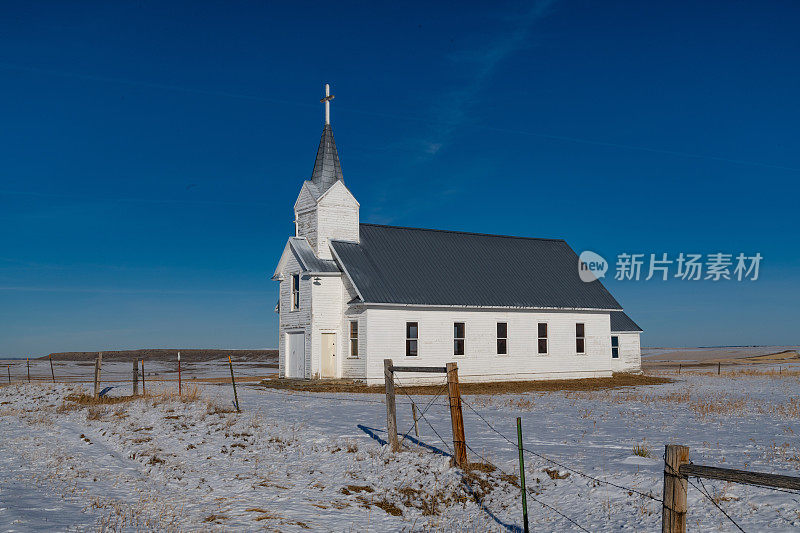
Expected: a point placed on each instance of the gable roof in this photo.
(621, 322)
(327, 168)
(306, 257)
(412, 266)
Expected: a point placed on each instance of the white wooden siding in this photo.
(305, 215)
(630, 353)
(326, 312)
(289, 320)
(353, 368)
(337, 218)
(386, 339)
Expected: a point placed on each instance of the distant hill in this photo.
(168, 354)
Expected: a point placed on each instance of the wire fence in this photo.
(433, 401)
(528, 490)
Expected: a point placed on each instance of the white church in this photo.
(504, 308)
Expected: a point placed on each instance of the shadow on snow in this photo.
(373, 433)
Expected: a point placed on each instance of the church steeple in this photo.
(326, 210)
(327, 169)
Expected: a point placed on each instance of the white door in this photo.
(329, 355)
(295, 355)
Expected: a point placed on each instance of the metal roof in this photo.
(621, 322)
(327, 168)
(307, 258)
(432, 267)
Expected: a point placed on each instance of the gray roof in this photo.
(432, 267)
(327, 168)
(307, 258)
(622, 322)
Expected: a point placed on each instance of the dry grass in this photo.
(718, 405)
(351, 489)
(87, 400)
(95, 412)
(642, 450)
(190, 393)
(554, 473)
(790, 409)
(504, 387)
(388, 506)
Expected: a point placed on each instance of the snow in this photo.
(292, 461)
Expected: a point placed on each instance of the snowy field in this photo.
(297, 461)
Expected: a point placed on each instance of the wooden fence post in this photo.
(179, 373)
(28, 364)
(233, 382)
(414, 416)
(9, 373)
(144, 391)
(391, 411)
(52, 372)
(135, 377)
(719, 368)
(98, 363)
(673, 517)
(456, 417)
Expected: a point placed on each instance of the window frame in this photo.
(295, 293)
(414, 339)
(545, 338)
(504, 339)
(580, 339)
(353, 340)
(614, 347)
(463, 339)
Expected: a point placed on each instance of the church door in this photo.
(329, 355)
(296, 355)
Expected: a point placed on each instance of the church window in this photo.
(502, 338)
(615, 347)
(542, 345)
(580, 338)
(458, 338)
(354, 338)
(295, 292)
(412, 335)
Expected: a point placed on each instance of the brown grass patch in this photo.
(95, 412)
(264, 514)
(351, 489)
(511, 479)
(215, 409)
(501, 387)
(481, 467)
(553, 473)
(190, 393)
(89, 400)
(388, 506)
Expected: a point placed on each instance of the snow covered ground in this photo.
(297, 461)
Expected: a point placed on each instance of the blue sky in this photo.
(151, 152)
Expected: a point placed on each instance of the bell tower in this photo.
(326, 210)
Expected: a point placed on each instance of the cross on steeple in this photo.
(327, 100)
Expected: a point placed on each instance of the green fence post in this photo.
(522, 475)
